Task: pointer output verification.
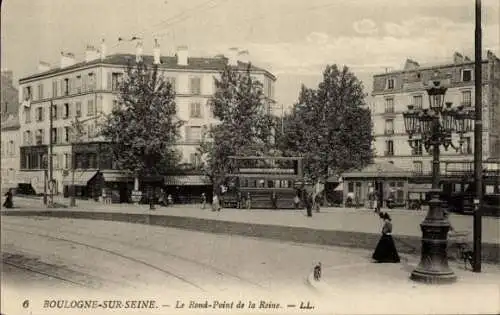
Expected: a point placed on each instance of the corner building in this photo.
(88, 90)
(394, 91)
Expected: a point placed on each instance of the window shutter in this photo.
(71, 86)
(188, 133)
(98, 105)
(62, 87)
(109, 86)
(84, 83)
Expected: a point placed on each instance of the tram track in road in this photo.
(218, 271)
(113, 253)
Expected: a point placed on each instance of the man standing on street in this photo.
(309, 204)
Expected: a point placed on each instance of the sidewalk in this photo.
(405, 222)
(387, 289)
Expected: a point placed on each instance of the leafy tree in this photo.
(144, 128)
(245, 126)
(329, 126)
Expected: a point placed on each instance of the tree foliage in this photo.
(329, 126)
(245, 125)
(144, 127)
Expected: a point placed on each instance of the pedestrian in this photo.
(386, 251)
(239, 200)
(296, 201)
(215, 203)
(170, 200)
(309, 204)
(203, 200)
(9, 201)
(248, 201)
(274, 200)
(316, 202)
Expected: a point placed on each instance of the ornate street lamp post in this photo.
(435, 126)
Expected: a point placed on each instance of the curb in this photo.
(405, 244)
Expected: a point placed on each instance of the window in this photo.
(466, 98)
(40, 91)
(90, 108)
(66, 110)
(39, 136)
(78, 84)
(78, 109)
(92, 160)
(193, 133)
(467, 75)
(172, 82)
(417, 101)
(54, 112)
(389, 127)
(417, 150)
(417, 167)
(27, 95)
(269, 88)
(91, 81)
(39, 114)
(390, 84)
(195, 159)
(66, 160)
(27, 137)
(389, 148)
(389, 105)
(350, 187)
(54, 88)
(67, 133)
(27, 115)
(115, 80)
(195, 110)
(466, 147)
(66, 86)
(195, 86)
(12, 150)
(54, 135)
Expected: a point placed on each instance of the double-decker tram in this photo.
(269, 182)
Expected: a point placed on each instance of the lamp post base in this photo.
(433, 267)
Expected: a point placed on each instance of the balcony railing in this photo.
(388, 153)
(389, 132)
(466, 104)
(462, 168)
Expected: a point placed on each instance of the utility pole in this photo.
(51, 164)
(478, 141)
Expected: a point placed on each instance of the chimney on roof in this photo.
(67, 59)
(43, 66)
(233, 56)
(156, 53)
(182, 55)
(91, 53)
(244, 56)
(103, 49)
(138, 51)
(458, 58)
(411, 64)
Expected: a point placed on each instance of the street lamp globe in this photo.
(436, 96)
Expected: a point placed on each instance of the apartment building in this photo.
(11, 141)
(87, 90)
(394, 91)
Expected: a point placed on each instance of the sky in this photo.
(294, 39)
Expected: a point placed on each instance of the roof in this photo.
(11, 122)
(167, 62)
(378, 170)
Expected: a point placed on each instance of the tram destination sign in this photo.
(274, 170)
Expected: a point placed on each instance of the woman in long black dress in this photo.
(386, 249)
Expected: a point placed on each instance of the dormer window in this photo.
(390, 84)
(466, 75)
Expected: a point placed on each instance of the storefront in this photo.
(188, 188)
(384, 180)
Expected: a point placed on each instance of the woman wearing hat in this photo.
(386, 251)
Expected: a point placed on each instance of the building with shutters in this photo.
(394, 91)
(87, 90)
(10, 152)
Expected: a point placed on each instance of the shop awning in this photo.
(117, 176)
(187, 180)
(419, 187)
(81, 178)
(35, 178)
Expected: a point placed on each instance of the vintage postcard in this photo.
(250, 157)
